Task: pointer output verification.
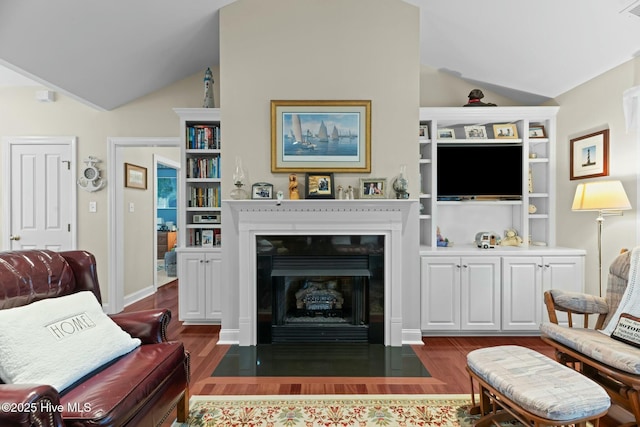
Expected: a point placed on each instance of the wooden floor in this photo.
(443, 357)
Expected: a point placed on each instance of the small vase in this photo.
(401, 184)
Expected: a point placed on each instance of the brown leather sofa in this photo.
(140, 388)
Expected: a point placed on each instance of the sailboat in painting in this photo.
(334, 134)
(323, 136)
(296, 128)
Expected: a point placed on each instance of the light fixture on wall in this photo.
(608, 198)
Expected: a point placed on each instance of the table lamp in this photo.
(608, 198)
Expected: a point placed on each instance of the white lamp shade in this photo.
(600, 196)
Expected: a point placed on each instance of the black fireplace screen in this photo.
(320, 288)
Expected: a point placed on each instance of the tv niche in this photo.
(477, 171)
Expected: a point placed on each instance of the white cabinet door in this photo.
(521, 293)
(191, 286)
(480, 293)
(440, 281)
(213, 279)
(562, 272)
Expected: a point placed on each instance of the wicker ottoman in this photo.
(517, 382)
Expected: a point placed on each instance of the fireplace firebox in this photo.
(320, 289)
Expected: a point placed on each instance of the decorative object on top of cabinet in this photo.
(511, 238)
(487, 240)
(208, 89)
(505, 131)
(401, 183)
(424, 133)
(319, 185)
(90, 179)
(442, 241)
(446, 133)
(239, 177)
(475, 97)
(310, 136)
(373, 188)
(135, 176)
(262, 190)
(475, 132)
(537, 131)
(590, 155)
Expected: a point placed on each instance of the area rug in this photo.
(445, 410)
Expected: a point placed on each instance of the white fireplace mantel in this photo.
(397, 220)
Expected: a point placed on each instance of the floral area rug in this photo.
(444, 410)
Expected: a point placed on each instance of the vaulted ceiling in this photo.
(108, 53)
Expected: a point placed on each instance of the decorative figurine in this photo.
(350, 193)
(475, 97)
(340, 191)
(511, 238)
(280, 196)
(441, 241)
(208, 89)
(293, 187)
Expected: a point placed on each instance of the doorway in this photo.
(166, 195)
(116, 223)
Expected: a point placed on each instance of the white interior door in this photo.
(40, 177)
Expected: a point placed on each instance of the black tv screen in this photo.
(479, 170)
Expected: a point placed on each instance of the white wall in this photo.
(593, 106)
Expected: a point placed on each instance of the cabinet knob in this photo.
(458, 265)
(14, 238)
(540, 265)
(465, 266)
(546, 266)
(201, 261)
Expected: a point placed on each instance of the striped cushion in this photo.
(538, 384)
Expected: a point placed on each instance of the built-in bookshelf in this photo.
(200, 204)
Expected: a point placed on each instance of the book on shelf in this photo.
(203, 167)
(201, 197)
(217, 237)
(203, 136)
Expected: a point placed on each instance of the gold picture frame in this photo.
(324, 135)
(505, 131)
(135, 176)
(373, 188)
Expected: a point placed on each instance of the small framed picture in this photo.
(505, 131)
(135, 176)
(207, 238)
(319, 185)
(446, 133)
(475, 132)
(537, 131)
(262, 190)
(589, 155)
(424, 132)
(373, 188)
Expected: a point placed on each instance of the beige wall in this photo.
(593, 106)
(329, 49)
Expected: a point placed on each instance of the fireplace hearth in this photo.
(320, 289)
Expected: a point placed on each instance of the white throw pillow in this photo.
(57, 341)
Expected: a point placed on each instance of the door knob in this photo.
(14, 238)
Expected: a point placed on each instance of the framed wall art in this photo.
(319, 185)
(135, 176)
(589, 156)
(505, 131)
(329, 136)
(262, 190)
(373, 188)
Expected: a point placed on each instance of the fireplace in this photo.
(320, 288)
(394, 220)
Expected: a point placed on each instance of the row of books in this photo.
(201, 197)
(207, 238)
(203, 167)
(200, 137)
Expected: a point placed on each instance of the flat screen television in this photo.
(487, 171)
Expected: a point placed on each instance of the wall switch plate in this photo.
(132, 207)
(93, 206)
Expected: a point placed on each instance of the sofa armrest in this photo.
(30, 405)
(148, 325)
(575, 303)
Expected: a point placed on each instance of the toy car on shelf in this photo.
(487, 240)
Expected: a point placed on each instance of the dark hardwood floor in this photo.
(443, 357)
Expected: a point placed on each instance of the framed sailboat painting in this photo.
(323, 135)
